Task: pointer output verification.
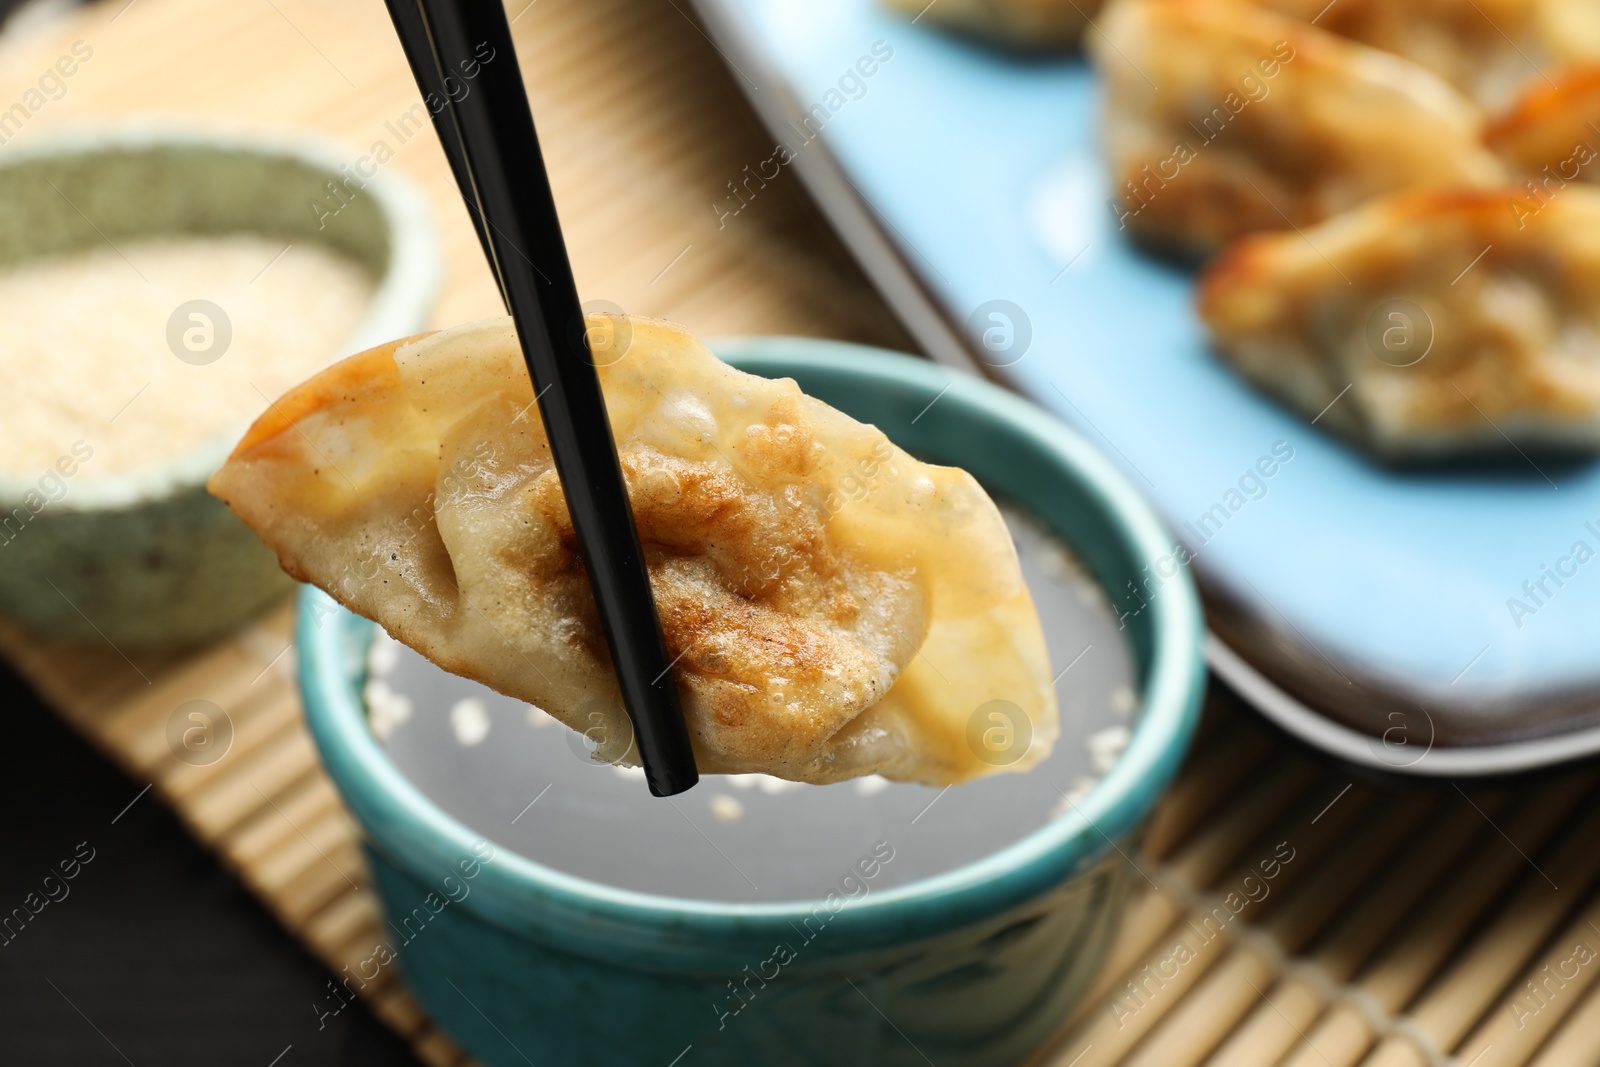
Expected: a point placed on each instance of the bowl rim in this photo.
(400, 304)
(404, 824)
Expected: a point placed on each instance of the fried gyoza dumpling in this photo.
(1456, 322)
(1223, 119)
(1488, 49)
(1022, 24)
(809, 574)
(1553, 131)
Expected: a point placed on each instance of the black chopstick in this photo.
(436, 90)
(502, 176)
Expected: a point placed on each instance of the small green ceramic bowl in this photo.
(149, 558)
(973, 967)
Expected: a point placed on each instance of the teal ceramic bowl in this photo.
(523, 964)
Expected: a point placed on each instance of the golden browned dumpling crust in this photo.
(1223, 118)
(1489, 49)
(1552, 132)
(1020, 24)
(1425, 325)
(833, 606)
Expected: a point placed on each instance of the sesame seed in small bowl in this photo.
(158, 287)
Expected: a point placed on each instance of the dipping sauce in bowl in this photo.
(514, 774)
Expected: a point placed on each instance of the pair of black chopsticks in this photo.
(466, 67)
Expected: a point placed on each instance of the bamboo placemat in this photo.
(1288, 915)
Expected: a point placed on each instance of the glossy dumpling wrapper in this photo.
(1489, 49)
(1021, 24)
(1425, 325)
(1552, 132)
(834, 607)
(1223, 118)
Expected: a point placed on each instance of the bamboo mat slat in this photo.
(1414, 925)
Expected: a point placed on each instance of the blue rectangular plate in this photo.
(1369, 610)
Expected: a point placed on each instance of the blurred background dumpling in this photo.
(1552, 132)
(1488, 49)
(1425, 325)
(1223, 118)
